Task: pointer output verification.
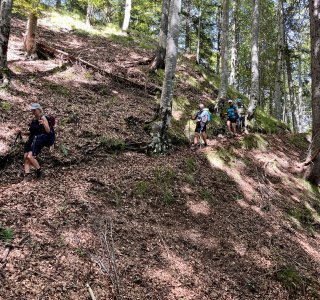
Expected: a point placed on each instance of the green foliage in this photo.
(64, 150)
(141, 188)
(290, 278)
(189, 178)
(254, 141)
(299, 140)
(205, 195)
(190, 164)
(6, 234)
(26, 7)
(164, 181)
(6, 106)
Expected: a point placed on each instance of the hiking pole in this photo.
(19, 136)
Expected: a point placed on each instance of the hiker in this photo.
(202, 117)
(242, 115)
(232, 116)
(39, 137)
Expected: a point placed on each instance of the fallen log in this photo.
(53, 52)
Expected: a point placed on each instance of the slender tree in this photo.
(160, 142)
(255, 83)
(30, 38)
(58, 4)
(314, 157)
(199, 36)
(280, 47)
(234, 45)
(188, 25)
(5, 17)
(159, 60)
(127, 16)
(218, 22)
(224, 50)
(88, 15)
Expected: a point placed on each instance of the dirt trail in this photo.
(230, 221)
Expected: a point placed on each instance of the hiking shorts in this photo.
(201, 128)
(232, 120)
(36, 143)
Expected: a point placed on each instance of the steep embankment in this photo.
(231, 221)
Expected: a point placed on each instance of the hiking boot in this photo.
(39, 173)
(27, 177)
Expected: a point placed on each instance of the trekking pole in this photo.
(19, 136)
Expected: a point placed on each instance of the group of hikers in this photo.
(235, 117)
(41, 131)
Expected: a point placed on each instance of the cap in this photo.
(35, 106)
(239, 99)
(230, 101)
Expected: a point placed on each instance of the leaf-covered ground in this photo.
(232, 221)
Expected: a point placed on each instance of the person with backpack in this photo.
(242, 115)
(41, 134)
(232, 116)
(203, 117)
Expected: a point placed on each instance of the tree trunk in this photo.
(314, 172)
(30, 39)
(218, 21)
(234, 46)
(280, 45)
(300, 96)
(88, 15)
(199, 37)
(159, 60)
(160, 142)
(255, 86)
(224, 50)
(58, 4)
(188, 25)
(5, 18)
(127, 16)
(291, 91)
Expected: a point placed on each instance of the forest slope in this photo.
(231, 221)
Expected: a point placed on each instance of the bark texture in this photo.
(314, 172)
(88, 15)
(30, 38)
(188, 26)
(280, 44)
(159, 60)
(127, 16)
(255, 86)
(199, 37)
(5, 18)
(58, 4)
(234, 45)
(160, 142)
(224, 50)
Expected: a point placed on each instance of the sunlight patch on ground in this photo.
(199, 207)
(77, 238)
(245, 183)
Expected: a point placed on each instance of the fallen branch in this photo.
(91, 292)
(53, 52)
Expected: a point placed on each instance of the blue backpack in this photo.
(232, 112)
(208, 114)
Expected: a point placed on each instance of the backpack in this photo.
(208, 114)
(52, 135)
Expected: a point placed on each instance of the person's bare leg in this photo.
(196, 138)
(26, 164)
(229, 126)
(234, 128)
(204, 137)
(33, 161)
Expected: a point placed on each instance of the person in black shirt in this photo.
(39, 131)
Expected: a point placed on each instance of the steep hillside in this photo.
(231, 221)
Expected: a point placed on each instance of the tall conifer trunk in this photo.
(280, 47)
(224, 50)
(314, 157)
(255, 86)
(5, 18)
(160, 142)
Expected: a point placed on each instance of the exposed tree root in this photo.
(56, 53)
